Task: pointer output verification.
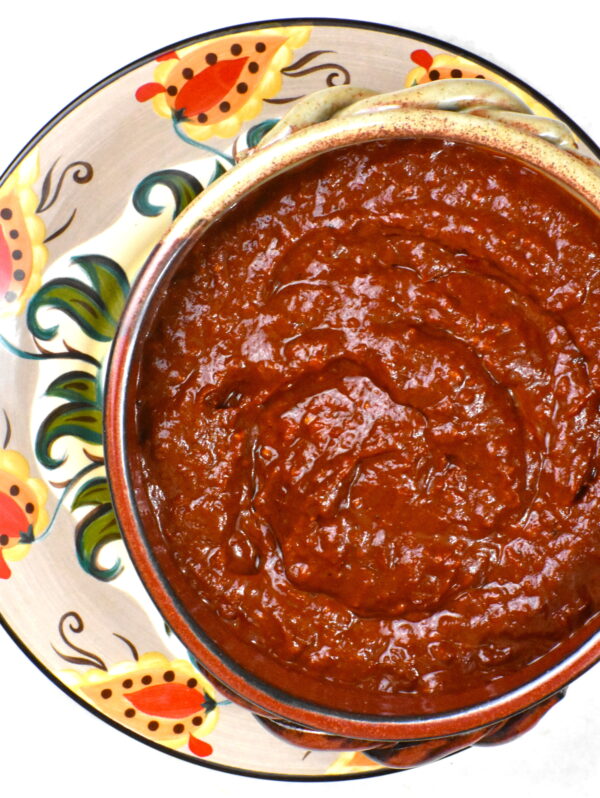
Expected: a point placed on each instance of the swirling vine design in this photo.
(81, 172)
(76, 626)
(299, 69)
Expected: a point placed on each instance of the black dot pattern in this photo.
(253, 67)
(172, 91)
(6, 213)
(236, 49)
(188, 73)
(211, 59)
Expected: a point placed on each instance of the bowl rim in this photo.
(263, 165)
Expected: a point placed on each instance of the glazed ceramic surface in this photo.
(467, 110)
(78, 218)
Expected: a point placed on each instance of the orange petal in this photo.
(13, 520)
(4, 569)
(199, 747)
(148, 91)
(167, 700)
(422, 58)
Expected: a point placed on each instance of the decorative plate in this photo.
(79, 213)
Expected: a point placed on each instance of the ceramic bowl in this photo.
(471, 111)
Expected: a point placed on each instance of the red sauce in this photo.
(369, 421)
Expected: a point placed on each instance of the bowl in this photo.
(466, 112)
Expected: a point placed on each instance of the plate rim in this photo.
(54, 121)
(376, 27)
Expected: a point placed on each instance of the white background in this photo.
(52, 51)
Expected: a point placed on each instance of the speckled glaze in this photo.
(471, 111)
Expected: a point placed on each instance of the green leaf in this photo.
(257, 132)
(76, 419)
(218, 171)
(109, 280)
(182, 185)
(76, 300)
(76, 386)
(95, 491)
(93, 533)
(96, 308)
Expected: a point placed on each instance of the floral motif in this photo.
(22, 251)
(444, 65)
(22, 509)
(209, 89)
(167, 701)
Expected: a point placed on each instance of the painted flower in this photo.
(442, 66)
(209, 89)
(167, 701)
(22, 251)
(22, 509)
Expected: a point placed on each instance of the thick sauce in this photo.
(369, 419)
